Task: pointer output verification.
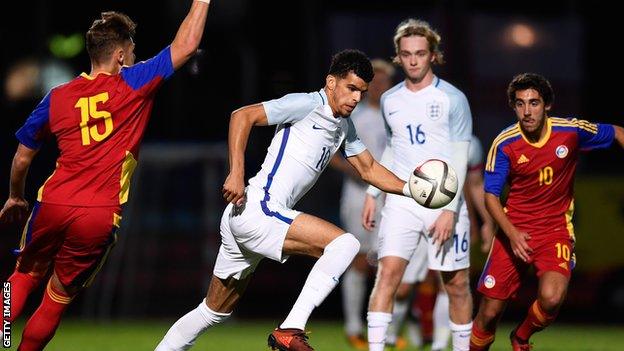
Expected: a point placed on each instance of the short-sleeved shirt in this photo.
(422, 125)
(98, 123)
(308, 135)
(541, 174)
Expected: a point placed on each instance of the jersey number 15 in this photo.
(88, 109)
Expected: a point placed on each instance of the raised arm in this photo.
(189, 34)
(16, 206)
(241, 122)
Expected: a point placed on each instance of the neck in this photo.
(416, 85)
(538, 134)
(373, 103)
(111, 68)
(331, 102)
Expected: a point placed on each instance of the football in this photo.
(433, 184)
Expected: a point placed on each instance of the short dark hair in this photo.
(108, 32)
(351, 61)
(534, 81)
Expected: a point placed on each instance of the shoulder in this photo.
(392, 91)
(506, 136)
(562, 124)
(448, 89)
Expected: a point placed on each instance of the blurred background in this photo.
(258, 50)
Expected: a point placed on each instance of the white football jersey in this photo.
(307, 137)
(475, 154)
(370, 126)
(421, 125)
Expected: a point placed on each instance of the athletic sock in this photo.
(184, 332)
(461, 336)
(322, 279)
(536, 320)
(42, 325)
(353, 295)
(441, 322)
(480, 340)
(377, 328)
(22, 284)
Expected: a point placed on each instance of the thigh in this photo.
(418, 265)
(503, 272)
(555, 254)
(42, 237)
(88, 241)
(399, 231)
(454, 255)
(309, 235)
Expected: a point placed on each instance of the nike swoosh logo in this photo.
(316, 127)
(460, 259)
(393, 112)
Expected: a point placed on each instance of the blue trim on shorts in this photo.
(267, 196)
(29, 227)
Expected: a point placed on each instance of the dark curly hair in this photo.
(107, 33)
(351, 61)
(534, 81)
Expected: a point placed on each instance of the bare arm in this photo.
(473, 188)
(619, 135)
(241, 122)
(189, 34)
(517, 238)
(340, 164)
(16, 205)
(375, 174)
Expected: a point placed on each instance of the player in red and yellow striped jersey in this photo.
(537, 157)
(98, 120)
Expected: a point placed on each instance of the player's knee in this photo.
(551, 299)
(458, 286)
(346, 244)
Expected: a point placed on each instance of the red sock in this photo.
(481, 340)
(41, 327)
(535, 321)
(22, 284)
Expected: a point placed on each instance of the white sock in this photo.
(322, 279)
(398, 316)
(413, 333)
(377, 329)
(353, 295)
(441, 320)
(182, 334)
(461, 336)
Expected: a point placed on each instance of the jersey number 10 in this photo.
(88, 109)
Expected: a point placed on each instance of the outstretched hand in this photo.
(442, 229)
(14, 210)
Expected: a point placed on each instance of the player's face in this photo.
(530, 110)
(345, 93)
(380, 83)
(415, 57)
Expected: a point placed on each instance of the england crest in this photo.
(434, 110)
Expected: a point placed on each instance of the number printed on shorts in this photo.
(563, 251)
(89, 109)
(463, 245)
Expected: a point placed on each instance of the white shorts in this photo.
(248, 234)
(351, 219)
(403, 232)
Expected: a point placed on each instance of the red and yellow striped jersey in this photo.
(98, 123)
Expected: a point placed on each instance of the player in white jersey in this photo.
(417, 267)
(260, 221)
(370, 126)
(426, 118)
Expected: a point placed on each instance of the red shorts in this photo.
(73, 240)
(503, 271)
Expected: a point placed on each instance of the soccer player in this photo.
(98, 120)
(368, 121)
(473, 191)
(537, 157)
(260, 221)
(426, 118)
